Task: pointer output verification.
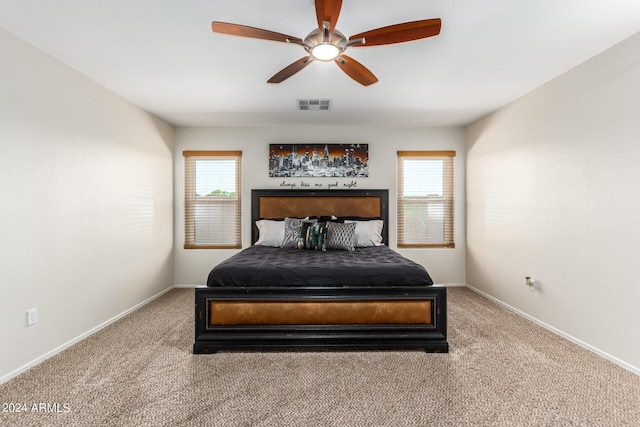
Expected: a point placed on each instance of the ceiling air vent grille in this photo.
(314, 104)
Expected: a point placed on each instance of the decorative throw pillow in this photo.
(368, 233)
(304, 229)
(270, 233)
(340, 236)
(314, 237)
(292, 230)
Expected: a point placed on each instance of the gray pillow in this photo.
(270, 232)
(292, 228)
(368, 233)
(340, 236)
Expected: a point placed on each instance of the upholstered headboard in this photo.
(276, 204)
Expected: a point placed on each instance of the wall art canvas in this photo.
(319, 160)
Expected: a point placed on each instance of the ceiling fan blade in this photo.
(256, 33)
(356, 70)
(399, 33)
(290, 69)
(328, 10)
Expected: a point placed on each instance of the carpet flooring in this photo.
(502, 370)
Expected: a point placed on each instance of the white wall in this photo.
(552, 192)
(445, 265)
(86, 221)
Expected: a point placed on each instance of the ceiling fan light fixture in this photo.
(325, 52)
(324, 43)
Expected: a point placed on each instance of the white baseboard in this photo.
(57, 350)
(68, 344)
(556, 331)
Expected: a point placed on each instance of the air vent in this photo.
(314, 104)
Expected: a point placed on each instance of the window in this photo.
(425, 199)
(212, 199)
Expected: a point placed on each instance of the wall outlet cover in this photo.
(32, 316)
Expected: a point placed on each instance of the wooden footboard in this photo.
(359, 318)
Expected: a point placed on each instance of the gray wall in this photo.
(445, 265)
(86, 222)
(552, 192)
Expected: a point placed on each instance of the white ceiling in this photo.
(162, 55)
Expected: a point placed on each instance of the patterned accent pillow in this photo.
(340, 236)
(292, 230)
(314, 236)
(304, 229)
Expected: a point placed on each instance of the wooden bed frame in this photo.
(320, 318)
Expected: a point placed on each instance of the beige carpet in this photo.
(502, 370)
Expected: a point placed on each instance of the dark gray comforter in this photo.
(261, 266)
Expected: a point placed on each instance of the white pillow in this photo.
(368, 233)
(270, 233)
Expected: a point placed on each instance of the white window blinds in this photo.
(213, 199)
(425, 199)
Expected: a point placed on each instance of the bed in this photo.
(281, 295)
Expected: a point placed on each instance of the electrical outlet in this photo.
(531, 283)
(32, 316)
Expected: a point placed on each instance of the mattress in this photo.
(262, 266)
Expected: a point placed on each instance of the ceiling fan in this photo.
(325, 43)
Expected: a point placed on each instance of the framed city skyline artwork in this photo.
(319, 160)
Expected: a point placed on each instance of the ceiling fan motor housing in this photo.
(316, 40)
